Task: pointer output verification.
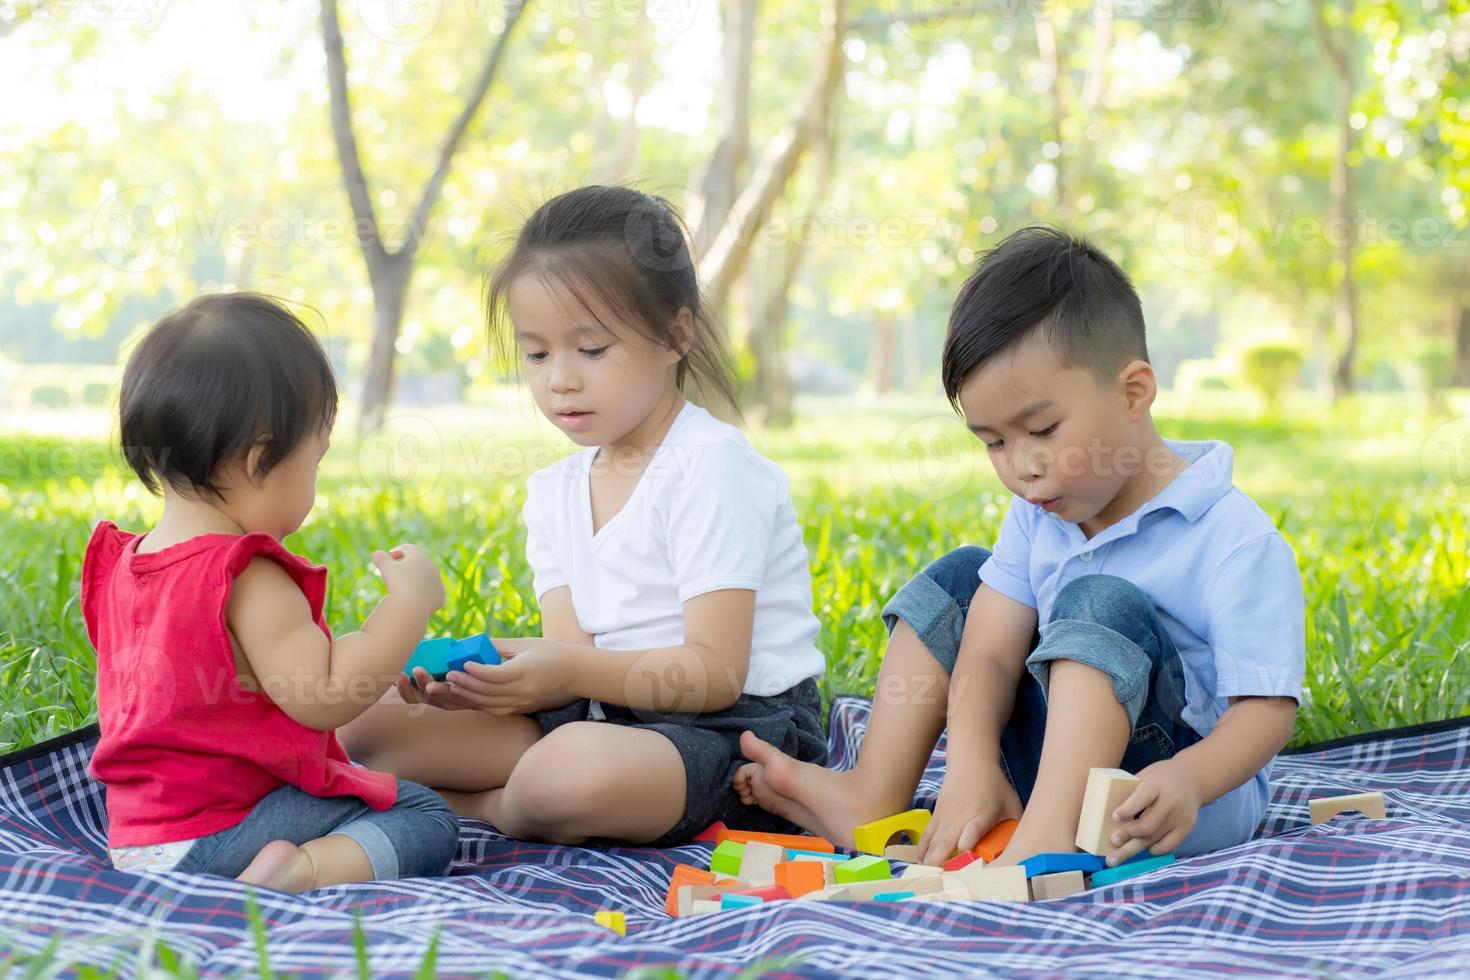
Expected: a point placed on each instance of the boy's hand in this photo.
(968, 806)
(409, 574)
(1158, 814)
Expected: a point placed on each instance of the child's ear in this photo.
(253, 456)
(1140, 387)
(682, 331)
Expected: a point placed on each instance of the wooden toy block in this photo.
(711, 834)
(995, 840)
(831, 893)
(961, 860)
(1045, 864)
(1059, 884)
(758, 864)
(919, 871)
(874, 837)
(1130, 869)
(799, 842)
(907, 853)
(795, 854)
(616, 921)
(730, 900)
(1327, 807)
(689, 894)
(992, 884)
(893, 896)
(866, 867)
(800, 877)
(766, 893)
(867, 891)
(704, 907)
(727, 858)
(1106, 791)
(685, 874)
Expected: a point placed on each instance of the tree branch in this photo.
(347, 155)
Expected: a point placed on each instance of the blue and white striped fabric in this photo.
(1356, 897)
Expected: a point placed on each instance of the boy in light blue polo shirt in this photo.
(1137, 611)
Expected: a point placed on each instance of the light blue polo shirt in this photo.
(1225, 584)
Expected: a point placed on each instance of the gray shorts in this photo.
(709, 744)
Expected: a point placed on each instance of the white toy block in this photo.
(1106, 790)
(1057, 885)
(758, 866)
(1370, 804)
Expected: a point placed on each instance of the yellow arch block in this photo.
(874, 837)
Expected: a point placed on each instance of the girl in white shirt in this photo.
(675, 596)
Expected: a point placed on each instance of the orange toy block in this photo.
(797, 842)
(800, 877)
(995, 840)
(685, 874)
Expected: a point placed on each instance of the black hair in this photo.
(631, 251)
(210, 380)
(1041, 278)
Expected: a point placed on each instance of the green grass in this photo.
(880, 489)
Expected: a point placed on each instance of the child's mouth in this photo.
(575, 420)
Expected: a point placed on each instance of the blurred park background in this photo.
(1285, 180)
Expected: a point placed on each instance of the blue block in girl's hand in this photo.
(440, 656)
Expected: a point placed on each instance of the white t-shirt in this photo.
(708, 513)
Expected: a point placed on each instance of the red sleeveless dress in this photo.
(184, 751)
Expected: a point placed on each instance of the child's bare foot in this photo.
(283, 866)
(826, 803)
(1034, 840)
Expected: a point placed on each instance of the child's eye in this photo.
(536, 357)
(993, 446)
(593, 351)
(1046, 431)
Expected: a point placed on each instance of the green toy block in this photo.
(1130, 869)
(726, 859)
(865, 867)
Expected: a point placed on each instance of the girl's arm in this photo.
(559, 622)
(324, 684)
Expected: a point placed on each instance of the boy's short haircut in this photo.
(209, 380)
(1042, 278)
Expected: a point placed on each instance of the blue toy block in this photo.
(440, 656)
(1046, 864)
(892, 896)
(728, 901)
(793, 854)
(1131, 868)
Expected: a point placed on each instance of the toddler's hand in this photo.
(409, 574)
(969, 805)
(1158, 814)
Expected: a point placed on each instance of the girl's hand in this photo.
(534, 674)
(968, 806)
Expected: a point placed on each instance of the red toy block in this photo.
(767, 893)
(711, 834)
(960, 860)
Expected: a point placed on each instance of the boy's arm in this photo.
(1243, 741)
(982, 691)
(320, 683)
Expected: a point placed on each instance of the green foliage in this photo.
(1271, 368)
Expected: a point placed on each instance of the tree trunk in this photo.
(1460, 366)
(1345, 303)
(711, 201)
(640, 56)
(881, 357)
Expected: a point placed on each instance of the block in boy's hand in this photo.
(442, 655)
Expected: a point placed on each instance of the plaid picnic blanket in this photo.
(1356, 897)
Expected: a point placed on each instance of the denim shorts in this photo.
(709, 745)
(416, 837)
(1103, 621)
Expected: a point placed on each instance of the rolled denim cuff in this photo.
(1125, 662)
(382, 855)
(934, 615)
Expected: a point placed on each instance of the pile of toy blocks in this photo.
(753, 868)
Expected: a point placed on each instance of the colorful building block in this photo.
(919, 871)
(711, 834)
(704, 907)
(960, 860)
(866, 867)
(1057, 885)
(691, 895)
(766, 893)
(801, 842)
(800, 877)
(685, 874)
(991, 884)
(1045, 864)
(1130, 869)
(1369, 804)
(892, 896)
(730, 900)
(616, 921)
(875, 836)
(1106, 791)
(995, 840)
(758, 863)
(907, 853)
(727, 858)
(440, 656)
